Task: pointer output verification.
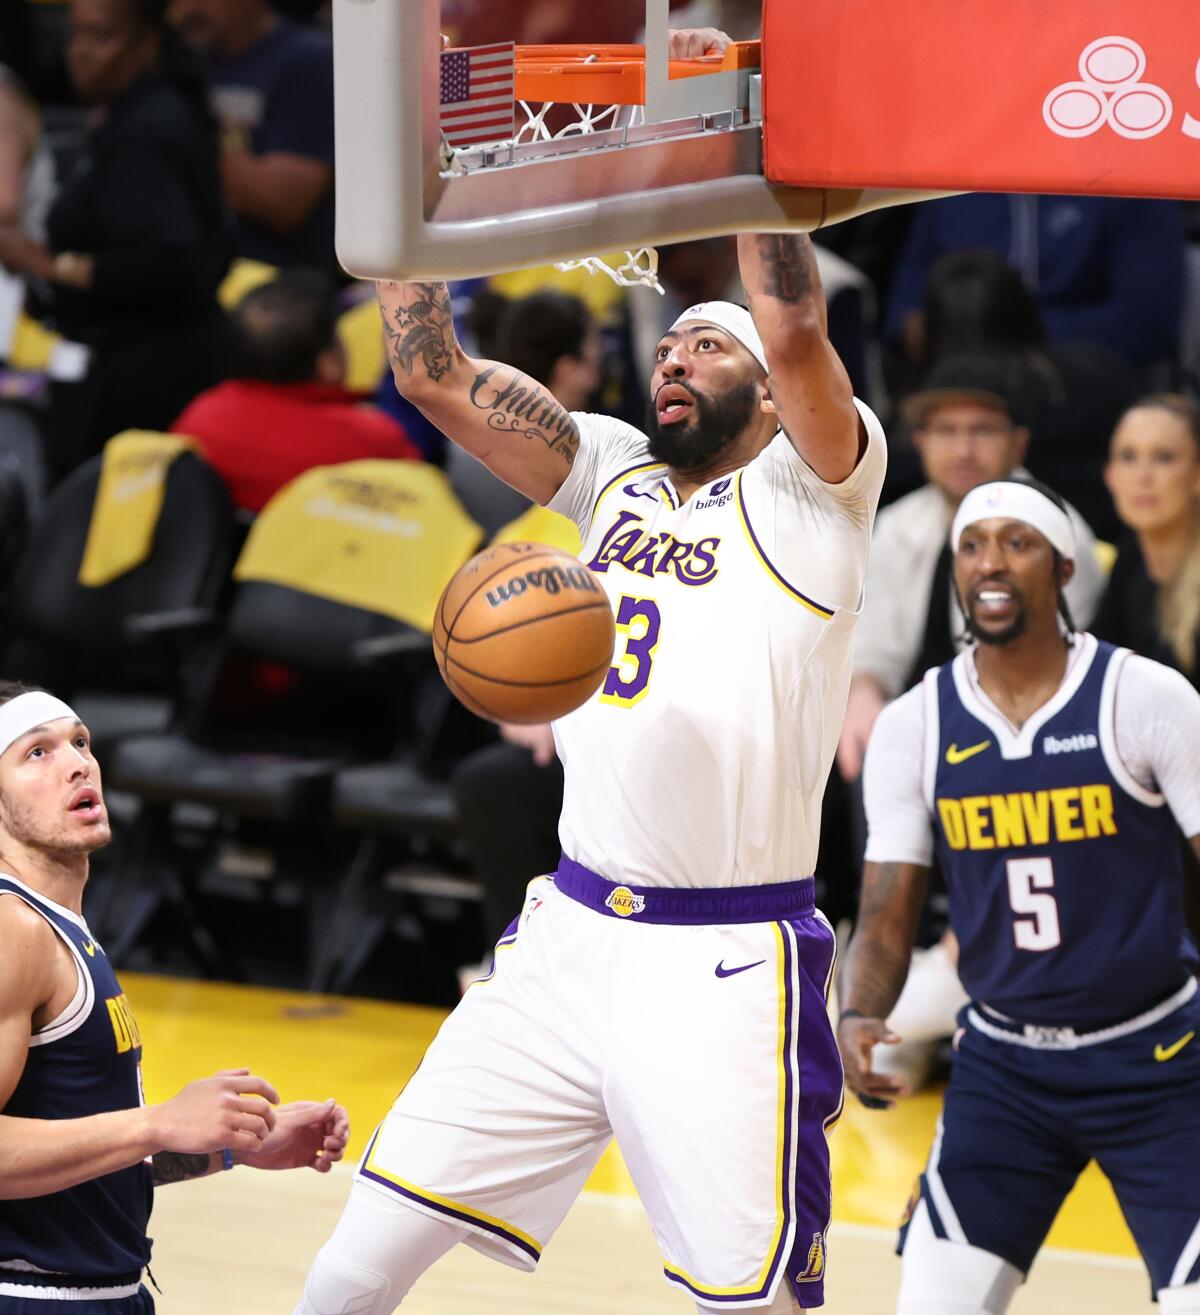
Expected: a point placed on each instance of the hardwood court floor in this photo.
(240, 1243)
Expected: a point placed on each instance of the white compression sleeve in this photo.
(377, 1252)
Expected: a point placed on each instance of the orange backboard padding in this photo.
(1083, 96)
(609, 75)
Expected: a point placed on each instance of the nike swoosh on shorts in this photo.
(722, 971)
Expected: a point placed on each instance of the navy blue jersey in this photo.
(1064, 874)
(87, 1061)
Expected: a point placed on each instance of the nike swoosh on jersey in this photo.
(89, 949)
(1163, 1053)
(722, 971)
(955, 755)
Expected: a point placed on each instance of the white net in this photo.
(555, 121)
(638, 269)
(588, 119)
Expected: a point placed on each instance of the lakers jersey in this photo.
(86, 1061)
(1064, 875)
(702, 759)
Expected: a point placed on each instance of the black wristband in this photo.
(850, 1013)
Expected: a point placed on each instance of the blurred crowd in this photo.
(167, 265)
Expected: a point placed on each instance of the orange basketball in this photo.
(523, 633)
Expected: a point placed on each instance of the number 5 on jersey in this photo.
(638, 620)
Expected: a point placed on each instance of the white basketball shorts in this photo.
(690, 1024)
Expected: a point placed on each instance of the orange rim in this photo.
(610, 74)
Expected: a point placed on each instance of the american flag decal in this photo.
(477, 98)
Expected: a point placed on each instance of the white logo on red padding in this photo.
(1110, 91)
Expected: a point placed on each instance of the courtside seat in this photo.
(312, 679)
(397, 798)
(116, 649)
(21, 445)
(168, 769)
(13, 518)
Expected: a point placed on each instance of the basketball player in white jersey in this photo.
(667, 984)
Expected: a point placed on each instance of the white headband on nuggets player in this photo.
(1012, 500)
(20, 715)
(735, 320)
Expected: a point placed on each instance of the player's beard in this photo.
(715, 422)
(23, 826)
(998, 638)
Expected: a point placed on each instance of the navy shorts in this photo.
(1020, 1124)
(140, 1303)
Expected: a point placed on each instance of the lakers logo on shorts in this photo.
(911, 1208)
(624, 903)
(815, 1268)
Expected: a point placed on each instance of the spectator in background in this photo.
(271, 84)
(1152, 603)
(551, 336)
(1104, 270)
(137, 243)
(1074, 392)
(26, 166)
(286, 409)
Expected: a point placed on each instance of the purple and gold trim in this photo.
(529, 1248)
(825, 613)
(685, 907)
(780, 1246)
(625, 474)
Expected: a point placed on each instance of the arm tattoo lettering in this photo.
(422, 331)
(520, 406)
(788, 265)
(177, 1167)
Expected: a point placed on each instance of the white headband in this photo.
(1019, 502)
(735, 320)
(20, 715)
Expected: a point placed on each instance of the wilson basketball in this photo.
(523, 633)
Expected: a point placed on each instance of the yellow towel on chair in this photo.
(129, 498)
(381, 535)
(541, 525)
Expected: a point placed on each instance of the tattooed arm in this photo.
(809, 383)
(877, 959)
(178, 1166)
(507, 420)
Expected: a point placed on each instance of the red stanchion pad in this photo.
(1085, 96)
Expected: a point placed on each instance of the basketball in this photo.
(523, 633)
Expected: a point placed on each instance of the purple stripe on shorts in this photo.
(819, 1097)
(473, 1220)
(783, 901)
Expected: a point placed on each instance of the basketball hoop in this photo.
(593, 98)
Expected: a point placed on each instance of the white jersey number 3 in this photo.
(1036, 927)
(638, 622)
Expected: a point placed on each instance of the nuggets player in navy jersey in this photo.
(80, 1151)
(1051, 774)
